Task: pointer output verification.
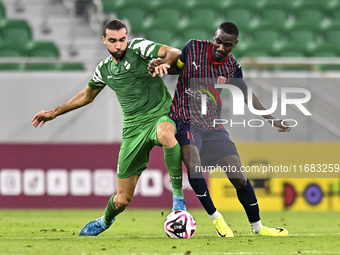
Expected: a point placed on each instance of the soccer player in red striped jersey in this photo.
(201, 65)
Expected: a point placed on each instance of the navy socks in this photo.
(199, 185)
(247, 198)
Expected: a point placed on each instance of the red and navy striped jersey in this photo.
(198, 77)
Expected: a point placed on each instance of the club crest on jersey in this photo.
(127, 65)
(221, 80)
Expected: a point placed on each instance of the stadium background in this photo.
(48, 50)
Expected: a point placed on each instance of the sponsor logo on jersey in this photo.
(195, 65)
(221, 80)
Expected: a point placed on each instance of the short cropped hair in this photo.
(229, 28)
(114, 24)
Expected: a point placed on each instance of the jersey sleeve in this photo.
(238, 71)
(240, 83)
(145, 48)
(238, 80)
(185, 51)
(96, 82)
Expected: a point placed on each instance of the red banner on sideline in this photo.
(78, 176)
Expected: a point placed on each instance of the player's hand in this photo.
(152, 66)
(42, 117)
(156, 67)
(282, 126)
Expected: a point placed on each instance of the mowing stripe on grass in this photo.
(140, 236)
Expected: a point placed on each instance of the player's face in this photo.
(223, 44)
(116, 42)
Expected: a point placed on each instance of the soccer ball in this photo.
(180, 224)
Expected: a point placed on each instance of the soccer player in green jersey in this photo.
(145, 103)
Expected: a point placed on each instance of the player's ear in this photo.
(235, 43)
(215, 35)
(103, 39)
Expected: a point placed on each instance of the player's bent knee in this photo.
(239, 183)
(191, 161)
(195, 160)
(166, 134)
(166, 138)
(123, 202)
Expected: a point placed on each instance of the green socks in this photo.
(173, 162)
(178, 192)
(111, 212)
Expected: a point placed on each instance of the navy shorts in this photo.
(212, 144)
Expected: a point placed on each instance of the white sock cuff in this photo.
(256, 226)
(215, 215)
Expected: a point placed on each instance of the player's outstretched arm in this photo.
(169, 54)
(282, 126)
(84, 97)
(167, 64)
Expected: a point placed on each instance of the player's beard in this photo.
(118, 56)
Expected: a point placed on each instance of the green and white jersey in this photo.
(143, 98)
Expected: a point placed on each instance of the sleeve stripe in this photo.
(148, 53)
(145, 47)
(97, 75)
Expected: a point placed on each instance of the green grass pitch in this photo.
(50, 232)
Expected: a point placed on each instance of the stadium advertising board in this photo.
(306, 186)
(77, 176)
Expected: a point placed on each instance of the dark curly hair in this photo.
(229, 28)
(114, 24)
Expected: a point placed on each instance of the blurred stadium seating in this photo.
(2, 11)
(19, 51)
(294, 28)
(43, 50)
(16, 31)
(268, 28)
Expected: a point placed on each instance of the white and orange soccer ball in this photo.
(180, 224)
